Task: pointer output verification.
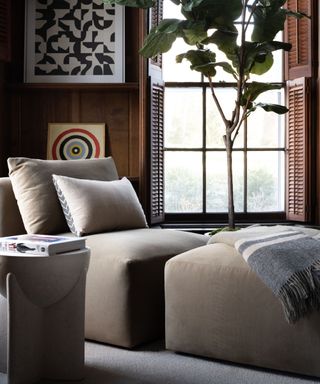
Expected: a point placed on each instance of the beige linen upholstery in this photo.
(93, 206)
(10, 218)
(34, 190)
(125, 283)
(217, 307)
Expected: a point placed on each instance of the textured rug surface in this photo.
(152, 364)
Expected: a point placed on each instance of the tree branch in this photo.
(253, 7)
(242, 78)
(226, 122)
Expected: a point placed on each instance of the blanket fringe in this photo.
(301, 293)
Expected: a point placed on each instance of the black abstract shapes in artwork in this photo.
(97, 70)
(77, 36)
(60, 4)
(37, 46)
(107, 69)
(46, 59)
(54, 40)
(99, 5)
(93, 45)
(48, 17)
(76, 71)
(55, 72)
(86, 69)
(100, 23)
(110, 12)
(102, 58)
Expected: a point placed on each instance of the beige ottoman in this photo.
(125, 283)
(217, 307)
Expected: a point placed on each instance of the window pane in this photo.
(183, 118)
(215, 125)
(183, 182)
(217, 187)
(266, 129)
(265, 181)
(173, 71)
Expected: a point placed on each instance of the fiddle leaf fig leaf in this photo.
(200, 61)
(210, 69)
(268, 21)
(161, 38)
(193, 32)
(258, 56)
(276, 108)
(262, 63)
(255, 89)
(214, 12)
(132, 3)
(226, 41)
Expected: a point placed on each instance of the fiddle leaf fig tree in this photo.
(208, 26)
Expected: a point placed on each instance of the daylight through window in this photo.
(195, 157)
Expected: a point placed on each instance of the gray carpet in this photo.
(152, 364)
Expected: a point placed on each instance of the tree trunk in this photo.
(228, 143)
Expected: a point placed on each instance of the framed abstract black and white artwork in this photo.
(74, 41)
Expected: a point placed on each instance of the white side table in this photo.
(42, 301)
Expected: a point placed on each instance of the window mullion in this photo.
(204, 146)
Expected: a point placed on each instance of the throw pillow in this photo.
(92, 206)
(35, 193)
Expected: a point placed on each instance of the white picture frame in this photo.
(55, 51)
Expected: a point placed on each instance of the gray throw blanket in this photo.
(289, 264)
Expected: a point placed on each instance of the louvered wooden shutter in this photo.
(298, 33)
(5, 27)
(156, 153)
(155, 18)
(156, 97)
(298, 71)
(298, 150)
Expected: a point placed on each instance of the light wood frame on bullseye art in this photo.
(73, 141)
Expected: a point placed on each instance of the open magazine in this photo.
(39, 245)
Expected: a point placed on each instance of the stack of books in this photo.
(39, 245)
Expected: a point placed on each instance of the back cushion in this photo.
(36, 195)
(10, 218)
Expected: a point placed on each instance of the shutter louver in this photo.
(156, 155)
(299, 61)
(156, 129)
(5, 30)
(298, 154)
(155, 18)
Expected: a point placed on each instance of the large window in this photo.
(195, 157)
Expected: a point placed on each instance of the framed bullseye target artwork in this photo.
(76, 141)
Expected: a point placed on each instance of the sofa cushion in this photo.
(10, 218)
(93, 206)
(35, 193)
(125, 283)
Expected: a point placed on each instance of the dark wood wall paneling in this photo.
(33, 106)
(4, 140)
